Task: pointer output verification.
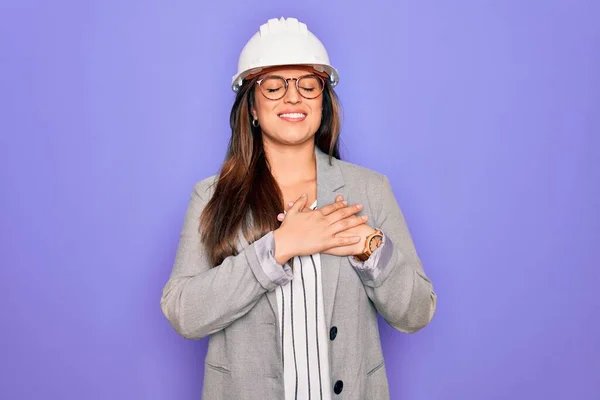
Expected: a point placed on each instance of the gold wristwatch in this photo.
(372, 242)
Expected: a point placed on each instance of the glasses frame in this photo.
(285, 80)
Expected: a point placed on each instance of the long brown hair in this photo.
(246, 195)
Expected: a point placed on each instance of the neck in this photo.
(292, 164)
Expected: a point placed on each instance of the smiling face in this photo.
(292, 119)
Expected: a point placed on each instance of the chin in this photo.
(293, 136)
(289, 135)
(296, 138)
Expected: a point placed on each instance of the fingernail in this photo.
(345, 202)
(303, 195)
(364, 217)
(359, 206)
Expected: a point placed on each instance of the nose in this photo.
(292, 96)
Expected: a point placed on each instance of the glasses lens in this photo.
(273, 87)
(310, 86)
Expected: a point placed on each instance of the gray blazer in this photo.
(235, 303)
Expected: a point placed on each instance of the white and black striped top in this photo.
(302, 332)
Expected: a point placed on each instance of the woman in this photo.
(288, 254)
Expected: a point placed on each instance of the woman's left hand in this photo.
(362, 230)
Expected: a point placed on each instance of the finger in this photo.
(299, 204)
(330, 208)
(289, 205)
(341, 241)
(339, 197)
(348, 223)
(344, 212)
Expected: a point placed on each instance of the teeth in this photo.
(293, 115)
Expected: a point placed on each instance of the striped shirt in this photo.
(302, 332)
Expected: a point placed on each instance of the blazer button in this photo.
(337, 388)
(332, 333)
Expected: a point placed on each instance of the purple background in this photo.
(485, 116)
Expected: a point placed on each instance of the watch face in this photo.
(375, 242)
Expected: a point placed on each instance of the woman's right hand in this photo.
(313, 231)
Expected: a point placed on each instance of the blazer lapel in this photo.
(329, 181)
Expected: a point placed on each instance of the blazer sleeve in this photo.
(396, 283)
(199, 300)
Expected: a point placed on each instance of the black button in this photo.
(332, 333)
(337, 388)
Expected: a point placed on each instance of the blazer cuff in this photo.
(270, 273)
(370, 269)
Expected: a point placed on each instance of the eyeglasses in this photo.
(274, 87)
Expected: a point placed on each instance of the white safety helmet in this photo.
(282, 42)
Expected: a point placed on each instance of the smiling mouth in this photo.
(292, 116)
